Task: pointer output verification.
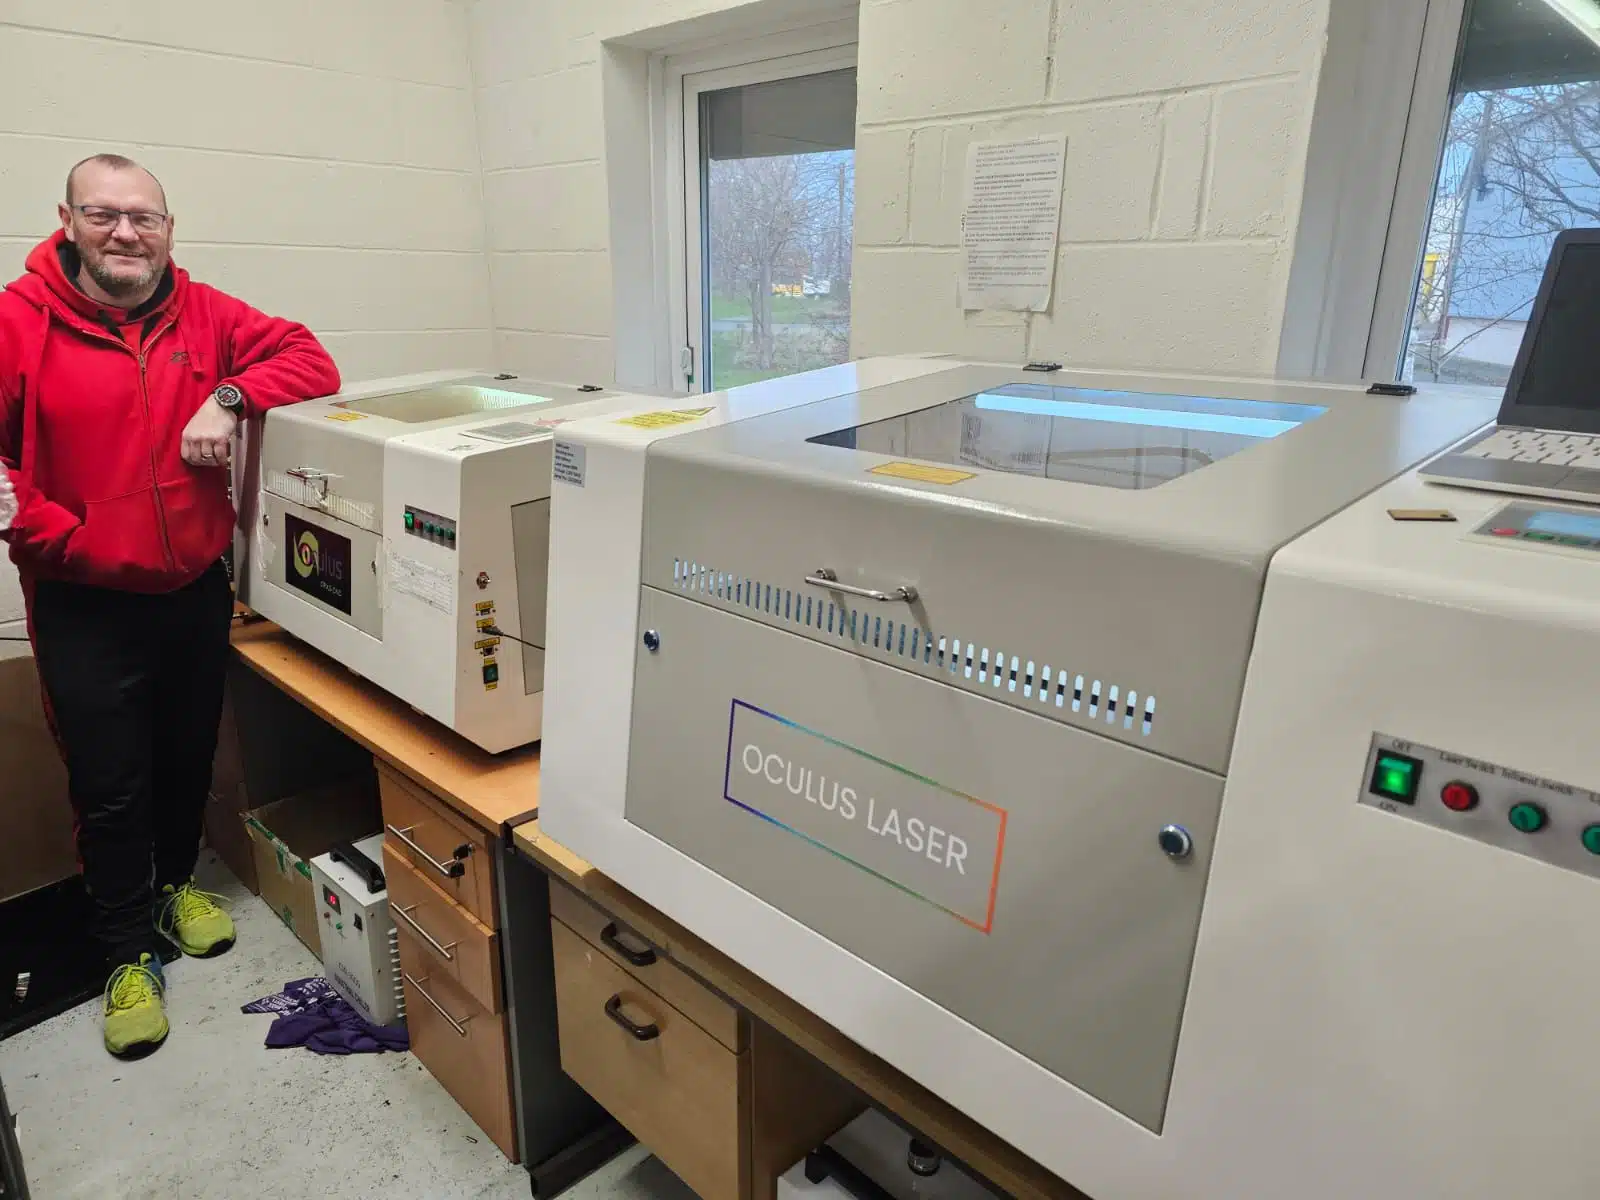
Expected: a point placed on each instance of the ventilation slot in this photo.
(1020, 680)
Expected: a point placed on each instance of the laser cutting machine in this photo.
(399, 525)
(935, 725)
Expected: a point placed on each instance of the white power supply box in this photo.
(360, 951)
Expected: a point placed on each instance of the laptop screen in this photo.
(1561, 368)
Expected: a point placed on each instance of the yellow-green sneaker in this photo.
(136, 1020)
(194, 921)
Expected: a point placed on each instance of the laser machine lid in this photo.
(1236, 466)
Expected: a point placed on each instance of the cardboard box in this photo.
(269, 746)
(226, 834)
(36, 841)
(287, 834)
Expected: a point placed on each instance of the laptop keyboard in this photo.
(1540, 446)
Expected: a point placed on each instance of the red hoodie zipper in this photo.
(149, 426)
(150, 438)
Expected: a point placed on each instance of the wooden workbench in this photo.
(496, 792)
(887, 1087)
(489, 789)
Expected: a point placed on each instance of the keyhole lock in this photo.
(652, 640)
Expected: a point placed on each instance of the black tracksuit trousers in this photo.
(134, 683)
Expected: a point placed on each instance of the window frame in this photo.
(1372, 165)
(684, 77)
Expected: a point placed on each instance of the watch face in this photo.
(230, 397)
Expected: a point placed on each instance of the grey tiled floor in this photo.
(214, 1114)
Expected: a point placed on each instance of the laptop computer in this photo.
(1546, 441)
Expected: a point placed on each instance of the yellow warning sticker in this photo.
(485, 623)
(664, 420)
(489, 687)
(484, 607)
(922, 473)
(346, 415)
(485, 643)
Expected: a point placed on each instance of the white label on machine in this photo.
(410, 577)
(570, 463)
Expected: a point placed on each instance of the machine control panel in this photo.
(1533, 526)
(1557, 823)
(430, 527)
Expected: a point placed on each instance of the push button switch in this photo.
(1527, 817)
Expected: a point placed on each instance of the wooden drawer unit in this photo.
(649, 966)
(460, 1042)
(678, 1089)
(451, 941)
(446, 849)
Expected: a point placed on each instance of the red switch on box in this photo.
(1459, 797)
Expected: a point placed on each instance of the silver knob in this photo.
(1175, 841)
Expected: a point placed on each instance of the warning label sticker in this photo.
(664, 420)
(922, 473)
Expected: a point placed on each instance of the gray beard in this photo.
(119, 286)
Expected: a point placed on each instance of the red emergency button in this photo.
(1459, 797)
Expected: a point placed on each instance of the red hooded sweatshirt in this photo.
(93, 404)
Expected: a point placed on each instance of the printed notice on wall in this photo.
(1011, 223)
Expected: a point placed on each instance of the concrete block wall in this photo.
(1187, 123)
(320, 157)
(540, 125)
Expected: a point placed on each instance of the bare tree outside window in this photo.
(1520, 164)
(779, 241)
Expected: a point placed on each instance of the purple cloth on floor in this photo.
(295, 995)
(311, 1014)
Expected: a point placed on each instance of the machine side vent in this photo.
(1018, 679)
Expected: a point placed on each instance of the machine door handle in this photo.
(459, 1026)
(639, 958)
(454, 869)
(641, 1033)
(405, 915)
(827, 577)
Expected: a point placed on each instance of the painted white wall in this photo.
(321, 158)
(1187, 123)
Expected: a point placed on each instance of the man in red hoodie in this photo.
(122, 383)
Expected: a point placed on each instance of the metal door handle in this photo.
(639, 958)
(405, 915)
(459, 1026)
(450, 870)
(827, 577)
(641, 1033)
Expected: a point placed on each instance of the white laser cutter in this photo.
(392, 525)
(936, 681)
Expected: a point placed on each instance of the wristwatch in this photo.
(229, 399)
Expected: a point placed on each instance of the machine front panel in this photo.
(1008, 867)
(322, 560)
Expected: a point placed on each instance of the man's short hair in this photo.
(117, 162)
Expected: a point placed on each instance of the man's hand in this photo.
(207, 438)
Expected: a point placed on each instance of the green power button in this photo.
(1526, 817)
(1591, 839)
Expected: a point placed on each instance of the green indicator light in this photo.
(1591, 839)
(1395, 777)
(411, 520)
(1528, 818)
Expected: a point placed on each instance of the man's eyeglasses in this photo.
(110, 218)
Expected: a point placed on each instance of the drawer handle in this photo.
(459, 1026)
(405, 915)
(641, 1033)
(639, 958)
(450, 870)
